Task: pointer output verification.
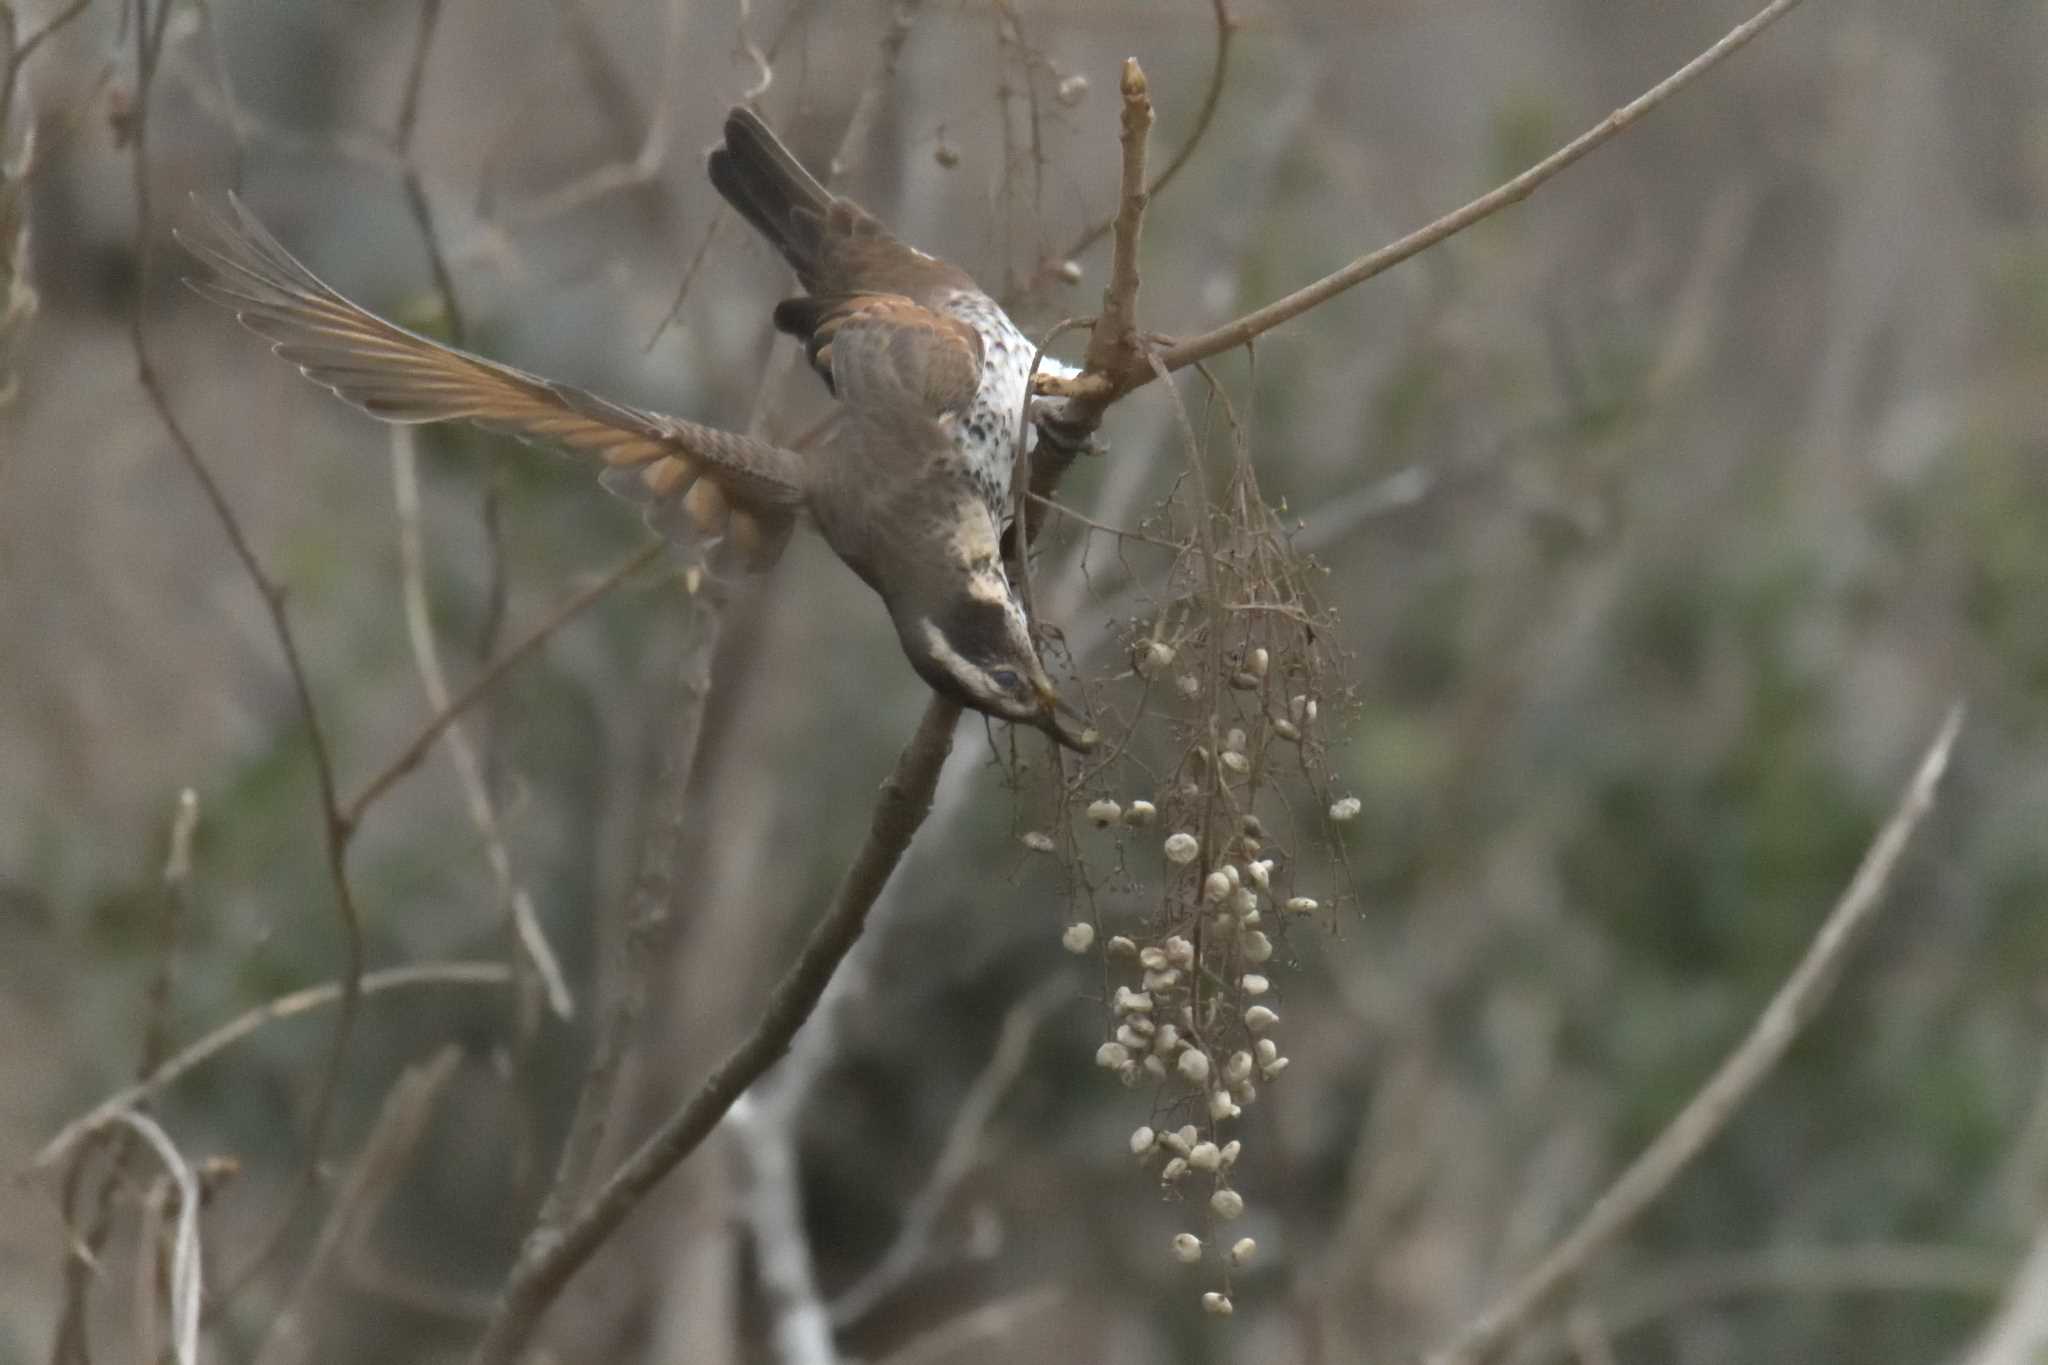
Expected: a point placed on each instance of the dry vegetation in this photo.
(451, 927)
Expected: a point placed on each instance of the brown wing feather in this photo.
(884, 351)
(400, 376)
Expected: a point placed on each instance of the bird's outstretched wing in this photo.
(694, 478)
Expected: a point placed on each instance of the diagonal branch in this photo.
(1707, 1113)
(546, 1264)
(1095, 390)
(421, 743)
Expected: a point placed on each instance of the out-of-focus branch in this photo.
(645, 164)
(799, 1323)
(1877, 1269)
(951, 1339)
(89, 1234)
(150, 29)
(957, 1159)
(186, 1279)
(1219, 73)
(420, 744)
(14, 59)
(547, 1263)
(241, 1026)
(1707, 1113)
(637, 949)
(867, 107)
(513, 898)
(2018, 1333)
(400, 1123)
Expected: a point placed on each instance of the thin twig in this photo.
(696, 263)
(1878, 1269)
(401, 1122)
(867, 107)
(963, 1150)
(1236, 333)
(1738, 1076)
(800, 1326)
(1113, 347)
(241, 1026)
(951, 1339)
(1091, 393)
(69, 1344)
(514, 900)
(546, 1265)
(645, 164)
(647, 916)
(420, 744)
(149, 40)
(187, 1267)
(1219, 72)
(19, 52)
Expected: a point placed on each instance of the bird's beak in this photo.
(1063, 722)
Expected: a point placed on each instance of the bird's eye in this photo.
(1005, 678)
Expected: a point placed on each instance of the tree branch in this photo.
(514, 900)
(547, 1264)
(242, 1025)
(420, 744)
(1096, 389)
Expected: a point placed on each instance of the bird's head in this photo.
(975, 648)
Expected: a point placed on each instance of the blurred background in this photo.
(1665, 515)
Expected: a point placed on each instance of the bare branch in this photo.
(149, 32)
(1735, 1080)
(2018, 1332)
(957, 1159)
(1113, 346)
(546, 1264)
(1882, 1268)
(1236, 333)
(401, 1122)
(645, 164)
(513, 897)
(952, 1338)
(1219, 73)
(227, 1035)
(418, 746)
(1091, 394)
(801, 1327)
(647, 914)
(187, 1266)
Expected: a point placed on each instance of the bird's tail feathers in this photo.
(770, 188)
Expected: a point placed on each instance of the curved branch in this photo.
(242, 1025)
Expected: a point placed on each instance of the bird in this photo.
(910, 487)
